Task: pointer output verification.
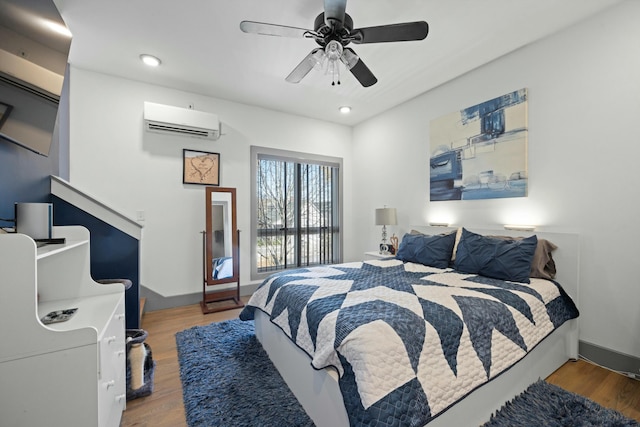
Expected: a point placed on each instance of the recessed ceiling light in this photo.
(150, 60)
(345, 109)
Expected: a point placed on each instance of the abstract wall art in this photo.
(480, 152)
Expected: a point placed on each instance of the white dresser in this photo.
(69, 373)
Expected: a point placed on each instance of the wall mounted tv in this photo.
(33, 61)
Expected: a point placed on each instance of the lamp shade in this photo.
(386, 216)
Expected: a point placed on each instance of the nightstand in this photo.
(376, 255)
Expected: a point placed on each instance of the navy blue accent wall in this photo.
(114, 254)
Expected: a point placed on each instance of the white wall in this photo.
(115, 160)
(584, 110)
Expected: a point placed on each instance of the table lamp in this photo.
(385, 216)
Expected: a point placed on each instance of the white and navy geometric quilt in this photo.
(408, 341)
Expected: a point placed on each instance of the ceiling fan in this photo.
(333, 31)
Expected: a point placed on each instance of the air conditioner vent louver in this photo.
(181, 121)
(171, 129)
(29, 88)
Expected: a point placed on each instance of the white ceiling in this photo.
(203, 50)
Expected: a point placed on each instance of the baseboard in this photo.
(609, 358)
(155, 301)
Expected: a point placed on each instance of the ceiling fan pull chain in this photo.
(335, 72)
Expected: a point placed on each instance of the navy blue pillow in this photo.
(433, 251)
(496, 258)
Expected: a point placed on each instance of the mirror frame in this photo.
(230, 295)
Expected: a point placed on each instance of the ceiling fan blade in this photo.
(407, 31)
(359, 70)
(334, 11)
(302, 69)
(273, 29)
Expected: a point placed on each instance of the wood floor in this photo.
(164, 406)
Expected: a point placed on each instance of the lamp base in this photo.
(384, 249)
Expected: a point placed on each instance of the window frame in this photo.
(289, 156)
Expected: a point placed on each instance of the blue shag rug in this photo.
(228, 381)
(547, 405)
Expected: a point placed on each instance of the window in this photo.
(295, 211)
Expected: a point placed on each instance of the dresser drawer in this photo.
(112, 364)
(112, 346)
(112, 398)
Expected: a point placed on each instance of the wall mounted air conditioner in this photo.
(181, 121)
(29, 76)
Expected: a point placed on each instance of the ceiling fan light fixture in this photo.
(333, 68)
(333, 52)
(150, 60)
(349, 58)
(318, 57)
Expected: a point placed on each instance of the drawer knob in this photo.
(120, 316)
(109, 384)
(111, 339)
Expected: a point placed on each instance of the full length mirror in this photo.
(221, 250)
(221, 236)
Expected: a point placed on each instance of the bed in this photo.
(402, 342)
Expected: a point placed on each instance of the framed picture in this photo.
(200, 167)
(480, 152)
(5, 110)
